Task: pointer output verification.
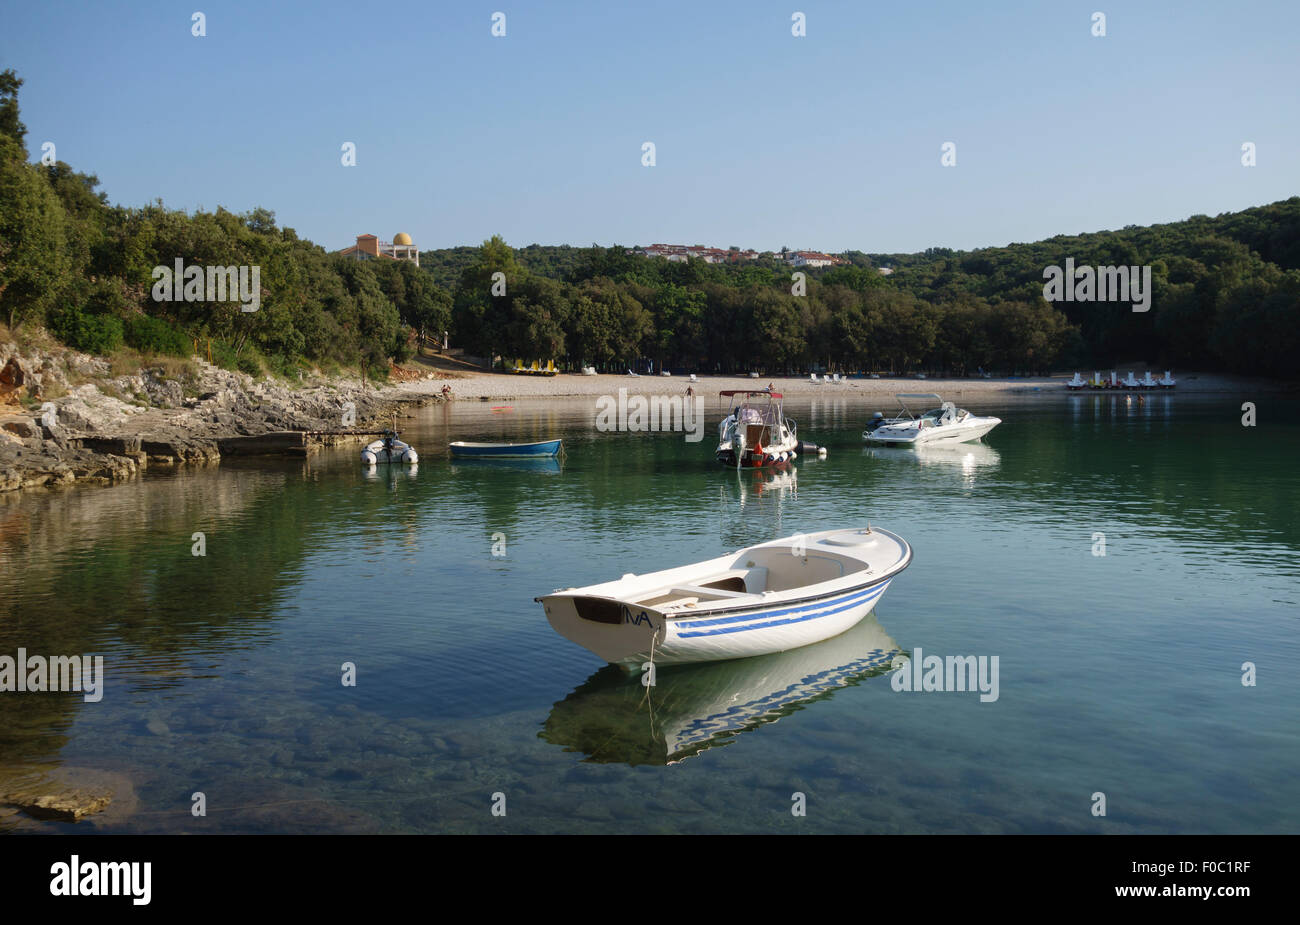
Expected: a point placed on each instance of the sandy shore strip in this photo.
(489, 386)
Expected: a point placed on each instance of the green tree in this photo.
(33, 243)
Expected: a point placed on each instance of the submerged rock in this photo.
(68, 794)
(71, 806)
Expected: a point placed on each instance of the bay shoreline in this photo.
(88, 433)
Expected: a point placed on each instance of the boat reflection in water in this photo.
(392, 474)
(779, 482)
(763, 493)
(539, 464)
(968, 457)
(612, 718)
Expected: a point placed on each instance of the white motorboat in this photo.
(1168, 382)
(1147, 382)
(756, 433)
(388, 449)
(767, 598)
(945, 424)
(1130, 381)
(1076, 383)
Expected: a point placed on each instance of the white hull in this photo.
(935, 436)
(796, 591)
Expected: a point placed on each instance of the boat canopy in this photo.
(752, 392)
(946, 410)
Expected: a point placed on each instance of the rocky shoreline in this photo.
(65, 418)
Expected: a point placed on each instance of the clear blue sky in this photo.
(831, 141)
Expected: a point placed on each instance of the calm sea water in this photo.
(1119, 674)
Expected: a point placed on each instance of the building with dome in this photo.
(369, 247)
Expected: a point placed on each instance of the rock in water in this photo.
(72, 806)
(69, 794)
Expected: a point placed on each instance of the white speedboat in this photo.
(756, 433)
(767, 598)
(1076, 383)
(1168, 382)
(388, 449)
(1148, 382)
(945, 424)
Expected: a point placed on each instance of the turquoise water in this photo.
(1119, 674)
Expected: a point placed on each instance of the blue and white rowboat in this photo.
(517, 450)
(767, 598)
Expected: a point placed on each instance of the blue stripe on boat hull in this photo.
(823, 609)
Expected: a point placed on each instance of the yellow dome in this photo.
(401, 238)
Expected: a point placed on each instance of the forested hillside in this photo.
(1227, 289)
(1226, 294)
(85, 270)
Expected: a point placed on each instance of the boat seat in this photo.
(702, 592)
(754, 581)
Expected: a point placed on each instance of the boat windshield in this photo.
(936, 415)
(747, 414)
(760, 412)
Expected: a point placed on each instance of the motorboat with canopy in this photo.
(944, 424)
(756, 432)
